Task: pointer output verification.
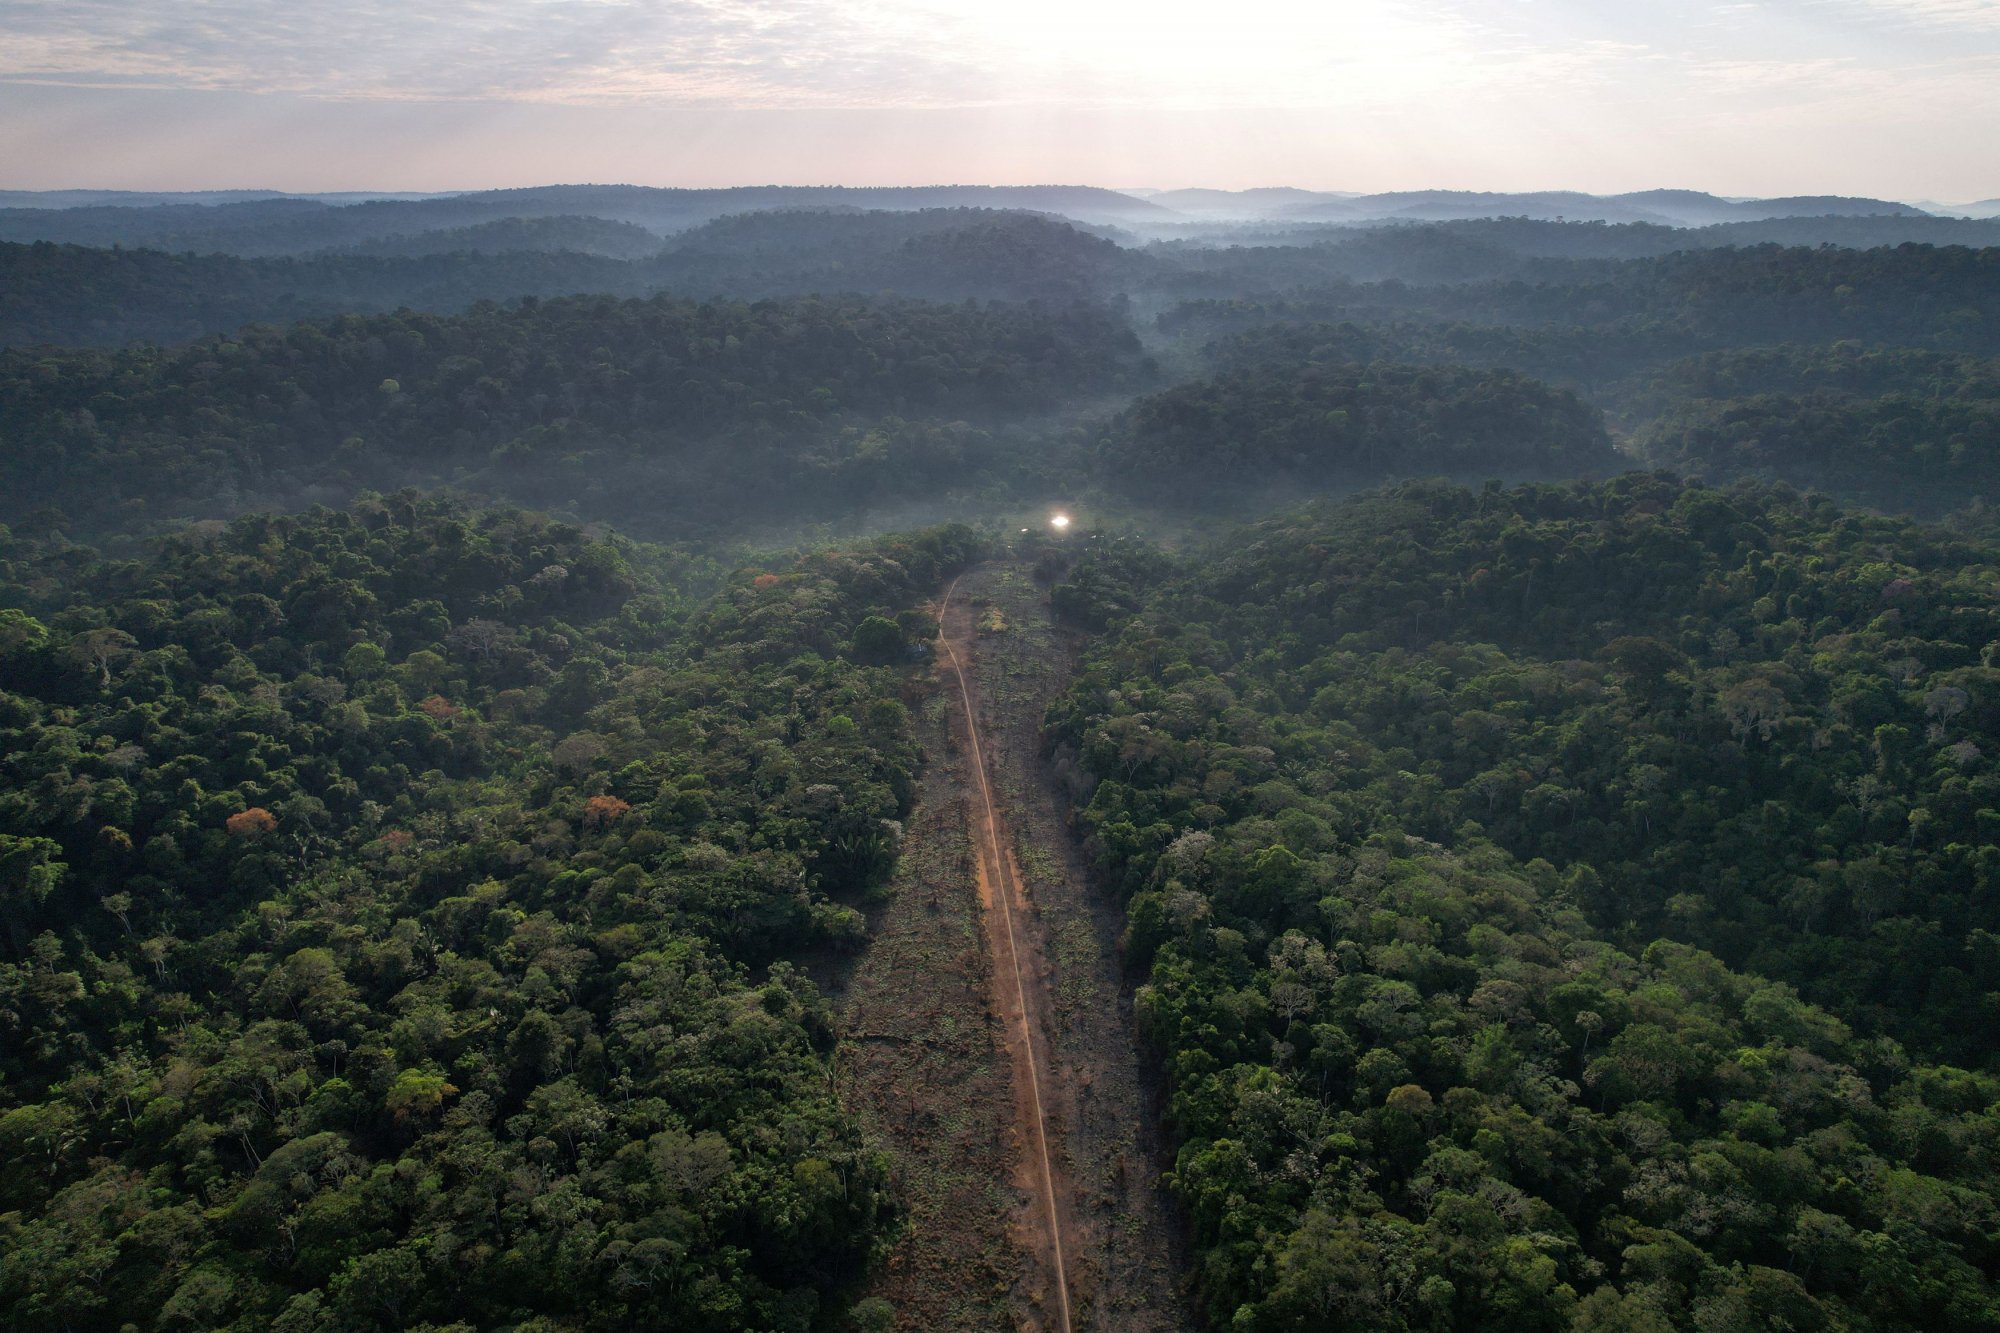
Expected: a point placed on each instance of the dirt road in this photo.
(1019, 983)
(988, 1029)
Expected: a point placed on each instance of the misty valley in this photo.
(830, 760)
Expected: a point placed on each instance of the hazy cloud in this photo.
(1983, 15)
(749, 52)
(1429, 83)
(884, 53)
(823, 53)
(729, 52)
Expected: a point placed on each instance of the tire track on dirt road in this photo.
(1002, 891)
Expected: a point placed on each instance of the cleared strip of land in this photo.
(1102, 1114)
(989, 1048)
(923, 1071)
(1019, 1003)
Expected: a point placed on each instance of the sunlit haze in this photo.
(1893, 98)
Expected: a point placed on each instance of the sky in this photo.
(1889, 98)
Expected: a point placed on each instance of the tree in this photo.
(601, 811)
(879, 642)
(251, 823)
(417, 1094)
(30, 871)
(101, 649)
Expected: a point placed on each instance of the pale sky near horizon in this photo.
(1894, 98)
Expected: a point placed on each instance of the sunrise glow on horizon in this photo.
(1865, 96)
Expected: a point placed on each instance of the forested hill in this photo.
(1902, 428)
(1567, 907)
(643, 411)
(400, 910)
(281, 226)
(109, 297)
(1894, 404)
(1941, 297)
(77, 296)
(1278, 429)
(1867, 374)
(575, 235)
(1944, 298)
(936, 254)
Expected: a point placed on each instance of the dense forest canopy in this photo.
(643, 411)
(109, 297)
(268, 223)
(77, 296)
(1868, 374)
(1861, 372)
(572, 235)
(1567, 907)
(279, 226)
(1492, 272)
(390, 889)
(1899, 427)
(1283, 429)
(1517, 236)
(1554, 906)
(1893, 426)
(1947, 298)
